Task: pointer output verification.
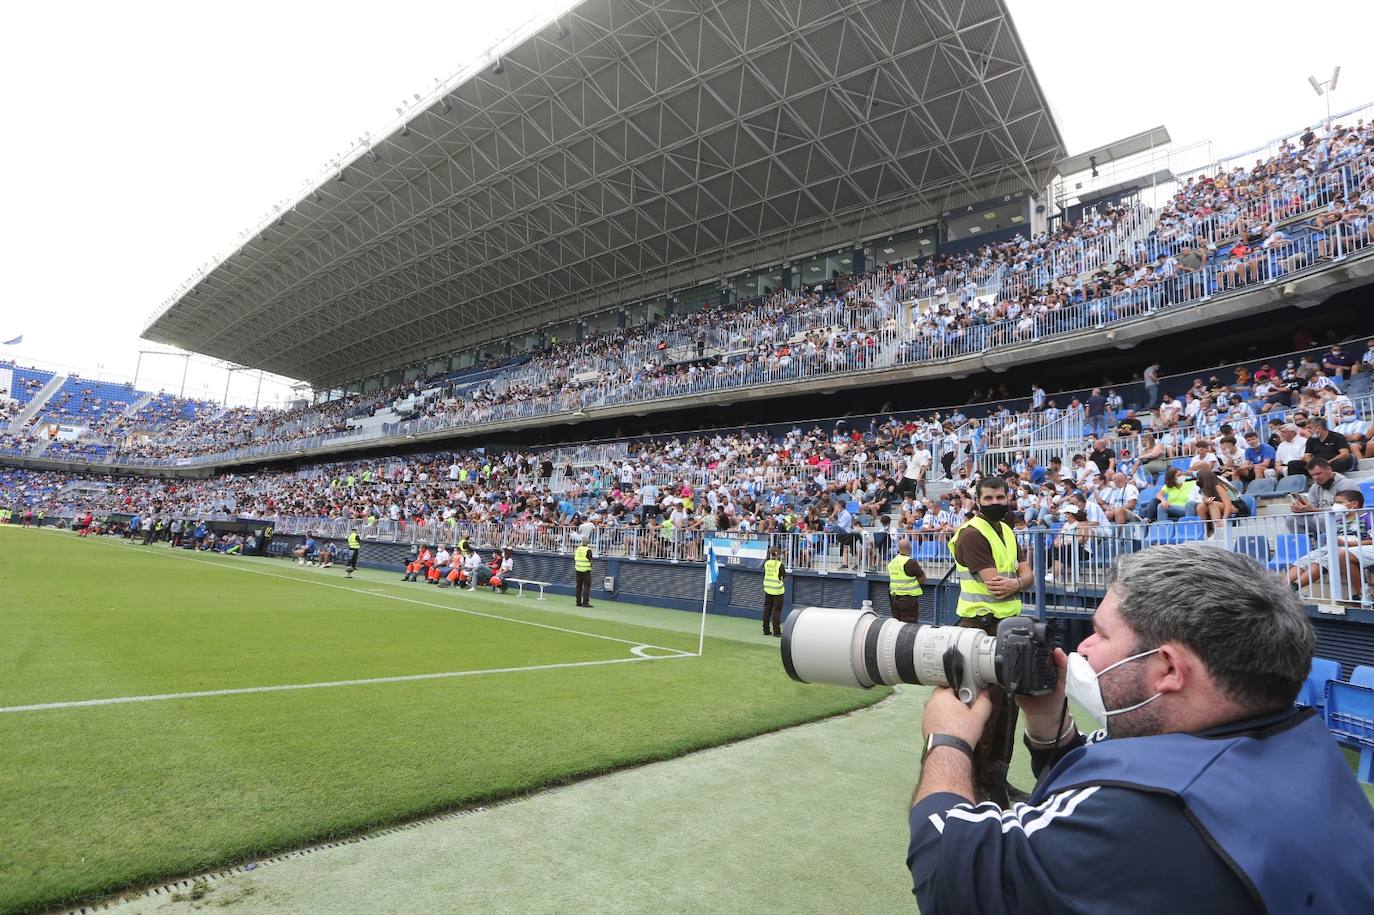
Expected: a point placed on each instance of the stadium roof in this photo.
(629, 148)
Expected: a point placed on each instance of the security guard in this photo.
(355, 545)
(992, 569)
(773, 589)
(582, 565)
(904, 579)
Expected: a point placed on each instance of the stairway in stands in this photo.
(139, 404)
(38, 402)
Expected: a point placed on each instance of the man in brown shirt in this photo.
(972, 552)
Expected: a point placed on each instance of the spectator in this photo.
(1328, 446)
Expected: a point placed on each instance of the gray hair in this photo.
(1247, 628)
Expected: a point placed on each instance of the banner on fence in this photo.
(749, 554)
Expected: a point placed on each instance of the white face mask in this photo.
(1082, 686)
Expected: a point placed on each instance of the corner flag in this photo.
(712, 570)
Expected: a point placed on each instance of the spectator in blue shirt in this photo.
(1259, 459)
(843, 523)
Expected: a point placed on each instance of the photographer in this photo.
(1214, 793)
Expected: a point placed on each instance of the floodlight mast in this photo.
(1325, 88)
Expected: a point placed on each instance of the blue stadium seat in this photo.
(1261, 486)
(1256, 547)
(1182, 463)
(1363, 675)
(1161, 532)
(928, 548)
(1147, 495)
(1349, 714)
(1250, 504)
(1290, 484)
(1367, 490)
(1313, 691)
(1287, 549)
(1186, 530)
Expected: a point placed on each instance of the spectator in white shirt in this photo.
(1119, 499)
(1288, 456)
(1205, 459)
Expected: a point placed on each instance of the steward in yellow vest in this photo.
(582, 565)
(992, 571)
(355, 545)
(904, 579)
(773, 589)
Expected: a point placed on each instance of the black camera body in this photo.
(1025, 656)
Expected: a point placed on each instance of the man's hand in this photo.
(1043, 712)
(945, 714)
(1003, 586)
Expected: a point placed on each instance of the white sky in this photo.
(140, 138)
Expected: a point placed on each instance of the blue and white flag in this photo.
(15, 342)
(712, 570)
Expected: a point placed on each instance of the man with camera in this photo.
(1213, 794)
(992, 569)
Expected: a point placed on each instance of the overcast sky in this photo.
(140, 138)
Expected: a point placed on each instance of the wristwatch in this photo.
(947, 740)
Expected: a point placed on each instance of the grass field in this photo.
(95, 798)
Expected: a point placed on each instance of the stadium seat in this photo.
(1257, 548)
(1367, 490)
(928, 548)
(1313, 691)
(1291, 484)
(1349, 713)
(1186, 530)
(1182, 463)
(1161, 533)
(1250, 504)
(1261, 486)
(1363, 675)
(1287, 549)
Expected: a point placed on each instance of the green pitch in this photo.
(472, 697)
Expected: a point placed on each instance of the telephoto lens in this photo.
(857, 648)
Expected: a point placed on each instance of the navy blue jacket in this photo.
(1119, 827)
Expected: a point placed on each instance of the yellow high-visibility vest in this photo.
(354, 541)
(899, 583)
(772, 577)
(582, 559)
(974, 597)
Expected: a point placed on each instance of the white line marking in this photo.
(121, 700)
(422, 603)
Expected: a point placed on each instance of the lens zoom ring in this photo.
(906, 653)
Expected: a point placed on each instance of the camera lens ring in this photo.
(871, 640)
(906, 653)
(786, 646)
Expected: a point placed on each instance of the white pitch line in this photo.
(121, 700)
(422, 603)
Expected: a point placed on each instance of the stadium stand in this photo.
(1301, 209)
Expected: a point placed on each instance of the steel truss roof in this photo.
(655, 145)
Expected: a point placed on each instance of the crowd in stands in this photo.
(1115, 262)
(1203, 452)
